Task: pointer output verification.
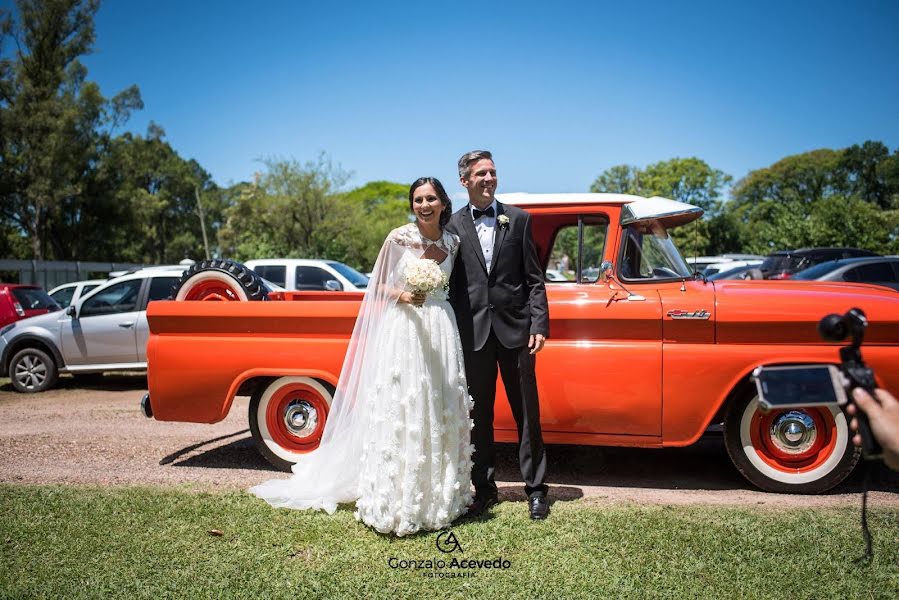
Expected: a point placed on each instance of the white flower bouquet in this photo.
(425, 276)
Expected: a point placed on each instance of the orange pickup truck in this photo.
(641, 353)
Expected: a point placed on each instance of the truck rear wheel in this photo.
(798, 450)
(219, 280)
(287, 418)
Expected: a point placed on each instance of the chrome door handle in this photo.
(127, 324)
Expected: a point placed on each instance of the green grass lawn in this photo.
(151, 542)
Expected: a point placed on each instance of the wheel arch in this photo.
(29, 341)
(251, 380)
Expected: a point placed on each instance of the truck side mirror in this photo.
(332, 285)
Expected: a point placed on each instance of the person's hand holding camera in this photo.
(883, 417)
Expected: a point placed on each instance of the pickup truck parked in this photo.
(640, 352)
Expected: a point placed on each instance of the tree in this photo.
(824, 197)
(54, 122)
(620, 179)
(871, 173)
(154, 192)
(689, 180)
(280, 214)
(803, 178)
(375, 208)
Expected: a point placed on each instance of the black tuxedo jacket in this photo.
(512, 298)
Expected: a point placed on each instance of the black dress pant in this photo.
(516, 365)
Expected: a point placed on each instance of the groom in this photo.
(499, 297)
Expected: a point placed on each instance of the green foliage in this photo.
(278, 215)
(803, 178)
(64, 542)
(54, 123)
(689, 180)
(821, 198)
(155, 191)
(825, 197)
(295, 210)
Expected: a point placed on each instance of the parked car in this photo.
(644, 356)
(715, 268)
(553, 275)
(698, 264)
(67, 293)
(746, 272)
(308, 274)
(105, 330)
(784, 263)
(877, 270)
(20, 301)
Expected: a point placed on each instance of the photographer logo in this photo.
(447, 567)
(447, 542)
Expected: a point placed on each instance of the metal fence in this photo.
(51, 273)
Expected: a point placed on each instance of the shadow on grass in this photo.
(703, 466)
(240, 453)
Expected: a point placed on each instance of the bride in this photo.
(397, 438)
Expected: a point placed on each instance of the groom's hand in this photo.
(535, 343)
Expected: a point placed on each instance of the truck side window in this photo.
(312, 278)
(577, 248)
(161, 288)
(274, 273)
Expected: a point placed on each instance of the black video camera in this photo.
(835, 328)
(809, 385)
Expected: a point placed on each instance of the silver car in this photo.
(879, 270)
(105, 330)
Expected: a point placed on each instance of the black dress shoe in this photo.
(538, 507)
(480, 505)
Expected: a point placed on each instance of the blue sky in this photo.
(558, 91)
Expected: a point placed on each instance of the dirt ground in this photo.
(95, 434)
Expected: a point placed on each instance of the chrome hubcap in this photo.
(301, 418)
(30, 372)
(793, 432)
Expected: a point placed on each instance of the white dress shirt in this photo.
(485, 226)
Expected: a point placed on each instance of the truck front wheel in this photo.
(219, 280)
(287, 418)
(798, 450)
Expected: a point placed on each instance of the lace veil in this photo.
(329, 475)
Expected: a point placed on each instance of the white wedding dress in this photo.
(397, 439)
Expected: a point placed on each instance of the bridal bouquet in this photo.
(425, 276)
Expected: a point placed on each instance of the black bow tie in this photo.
(480, 213)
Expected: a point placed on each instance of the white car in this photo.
(305, 274)
(714, 268)
(723, 262)
(69, 293)
(553, 275)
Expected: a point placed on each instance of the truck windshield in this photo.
(354, 276)
(649, 253)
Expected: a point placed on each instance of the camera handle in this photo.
(858, 374)
(837, 328)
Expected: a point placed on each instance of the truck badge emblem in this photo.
(686, 314)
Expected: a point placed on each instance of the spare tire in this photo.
(221, 280)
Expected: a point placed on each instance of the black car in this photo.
(783, 263)
(880, 270)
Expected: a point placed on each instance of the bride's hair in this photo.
(441, 193)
